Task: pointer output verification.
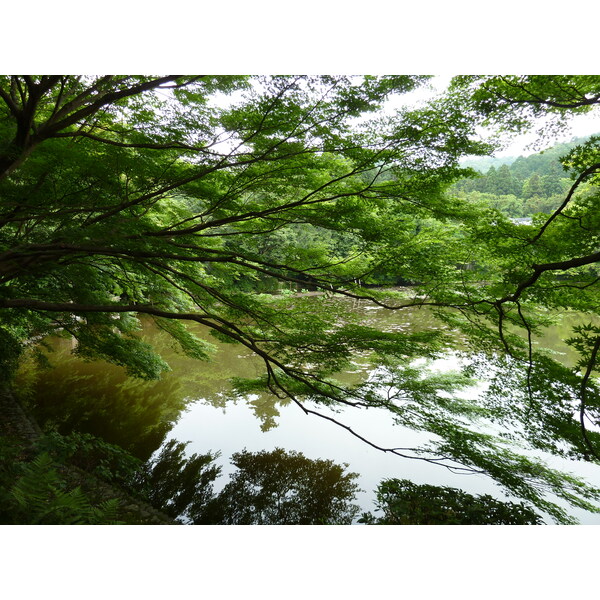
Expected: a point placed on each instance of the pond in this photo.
(194, 402)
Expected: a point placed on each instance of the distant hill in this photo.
(523, 186)
(540, 163)
(484, 163)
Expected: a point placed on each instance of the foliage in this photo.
(12, 350)
(283, 488)
(179, 198)
(69, 394)
(11, 457)
(92, 454)
(159, 215)
(527, 185)
(41, 500)
(39, 485)
(405, 503)
(269, 488)
(36, 492)
(485, 433)
(514, 102)
(178, 485)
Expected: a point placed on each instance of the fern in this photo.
(42, 498)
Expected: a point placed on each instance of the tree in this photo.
(553, 265)
(533, 187)
(490, 185)
(130, 196)
(284, 488)
(552, 185)
(405, 503)
(516, 100)
(119, 202)
(178, 485)
(506, 184)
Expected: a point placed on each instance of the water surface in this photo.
(194, 402)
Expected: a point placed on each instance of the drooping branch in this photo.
(452, 464)
(538, 270)
(583, 396)
(584, 175)
(210, 320)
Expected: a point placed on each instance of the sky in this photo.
(580, 126)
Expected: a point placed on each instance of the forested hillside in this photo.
(523, 186)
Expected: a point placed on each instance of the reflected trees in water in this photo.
(403, 502)
(284, 488)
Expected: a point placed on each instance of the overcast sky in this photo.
(580, 126)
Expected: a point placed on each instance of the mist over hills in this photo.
(534, 161)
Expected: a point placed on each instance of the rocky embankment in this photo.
(17, 424)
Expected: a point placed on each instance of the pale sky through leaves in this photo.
(579, 125)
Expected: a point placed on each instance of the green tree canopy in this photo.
(533, 187)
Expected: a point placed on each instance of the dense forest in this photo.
(220, 202)
(520, 187)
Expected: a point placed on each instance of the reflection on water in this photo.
(194, 402)
(97, 397)
(283, 488)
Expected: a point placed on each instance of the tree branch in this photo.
(584, 175)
